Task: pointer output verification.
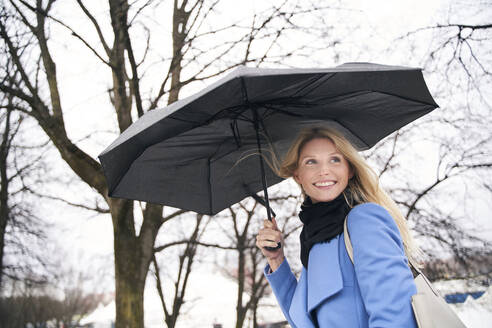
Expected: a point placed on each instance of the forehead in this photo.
(318, 146)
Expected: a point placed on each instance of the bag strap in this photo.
(348, 244)
(350, 251)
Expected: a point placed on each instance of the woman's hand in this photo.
(270, 236)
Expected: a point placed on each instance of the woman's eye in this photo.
(336, 160)
(310, 161)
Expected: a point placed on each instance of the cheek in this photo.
(301, 178)
(344, 173)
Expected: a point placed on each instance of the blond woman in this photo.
(337, 184)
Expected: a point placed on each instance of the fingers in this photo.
(274, 221)
(262, 242)
(268, 236)
(270, 224)
(266, 243)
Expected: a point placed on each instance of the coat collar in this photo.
(322, 280)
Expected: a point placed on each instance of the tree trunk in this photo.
(132, 256)
(255, 313)
(129, 283)
(129, 298)
(241, 309)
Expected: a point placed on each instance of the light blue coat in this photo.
(375, 291)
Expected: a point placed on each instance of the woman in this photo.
(374, 291)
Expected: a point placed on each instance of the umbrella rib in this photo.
(285, 101)
(355, 134)
(322, 76)
(406, 98)
(278, 110)
(236, 112)
(363, 92)
(185, 121)
(334, 74)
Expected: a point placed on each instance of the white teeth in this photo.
(324, 184)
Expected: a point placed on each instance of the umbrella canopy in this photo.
(194, 154)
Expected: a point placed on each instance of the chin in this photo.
(323, 199)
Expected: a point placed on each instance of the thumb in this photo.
(274, 223)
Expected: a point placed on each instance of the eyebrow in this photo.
(307, 156)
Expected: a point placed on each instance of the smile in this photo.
(324, 183)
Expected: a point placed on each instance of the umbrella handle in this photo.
(262, 202)
(271, 249)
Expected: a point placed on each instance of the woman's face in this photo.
(322, 171)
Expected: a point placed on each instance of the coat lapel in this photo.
(322, 280)
(298, 308)
(324, 275)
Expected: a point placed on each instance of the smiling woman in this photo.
(322, 172)
(338, 185)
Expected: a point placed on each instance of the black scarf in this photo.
(323, 221)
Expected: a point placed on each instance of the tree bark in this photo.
(122, 102)
(129, 285)
(132, 256)
(180, 20)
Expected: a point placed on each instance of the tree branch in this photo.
(96, 26)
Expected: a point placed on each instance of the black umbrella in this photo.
(194, 154)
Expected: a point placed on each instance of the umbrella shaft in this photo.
(262, 167)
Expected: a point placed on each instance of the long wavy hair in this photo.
(363, 186)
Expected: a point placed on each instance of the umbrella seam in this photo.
(405, 98)
(358, 137)
(322, 75)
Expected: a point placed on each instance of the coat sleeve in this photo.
(385, 280)
(283, 284)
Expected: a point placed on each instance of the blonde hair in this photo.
(363, 186)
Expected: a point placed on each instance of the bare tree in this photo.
(186, 259)
(45, 304)
(20, 168)
(477, 266)
(245, 267)
(456, 139)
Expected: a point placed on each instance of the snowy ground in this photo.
(476, 313)
(219, 306)
(213, 302)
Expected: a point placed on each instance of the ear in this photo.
(351, 172)
(296, 177)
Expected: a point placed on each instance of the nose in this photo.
(324, 169)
